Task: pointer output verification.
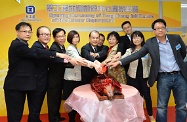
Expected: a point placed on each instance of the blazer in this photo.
(103, 52)
(21, 70)
(151, 47)
(56, 68)
(73, 73)
(41, 65)
(86, 72)
(124, 44)
(146, 63)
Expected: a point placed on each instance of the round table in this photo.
(86, 103)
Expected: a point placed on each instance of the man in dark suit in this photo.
(124, 42)
(43, 34)
(56, 76)
(21, 79)
(168, 68)
(86, 52)
(103, 48)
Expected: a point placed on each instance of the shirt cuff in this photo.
(120, 63)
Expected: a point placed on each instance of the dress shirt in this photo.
(167, 59)
(129, 37)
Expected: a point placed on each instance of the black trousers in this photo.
(15, 101)
(141, 85)
(54, 97)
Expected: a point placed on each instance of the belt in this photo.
(173, 72)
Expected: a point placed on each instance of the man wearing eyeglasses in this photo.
(168, 68)
(43, 34)
(21, 79)
(56, 77)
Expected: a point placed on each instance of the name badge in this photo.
(178, 47)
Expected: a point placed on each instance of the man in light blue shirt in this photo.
(167, 52)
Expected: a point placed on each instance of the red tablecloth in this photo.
(86, 103)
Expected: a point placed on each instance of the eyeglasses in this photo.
(45, 34)
(29, 32)
(162, 28)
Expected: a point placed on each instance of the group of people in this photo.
(130, 60)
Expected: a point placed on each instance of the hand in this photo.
(94, 54)
(62, 55)
(82, 61)
(97, 62)
(73, 61)
(107, 60)
(113, 64)
(98, 68)
(117, 56)
(113, 60)
(66, 61)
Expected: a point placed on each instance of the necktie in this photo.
(46, 47)
(95, 50)
(63, 49)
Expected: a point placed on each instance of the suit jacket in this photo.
(87, 73)
(146, 64)
(151, 47)
(103, 52)
(75, 72)
(22, 71)
(41, 65)
(124, 44)
(56, 68)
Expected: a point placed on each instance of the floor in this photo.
(44, 117)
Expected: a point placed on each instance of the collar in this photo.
(22, 41)
(167, 40)
(129, 36)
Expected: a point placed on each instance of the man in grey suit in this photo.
(168, 68)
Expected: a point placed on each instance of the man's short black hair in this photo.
(19, 25)
(126, 22)
(57, 30)
(158, 20)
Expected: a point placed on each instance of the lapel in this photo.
(155, 47)
(92, 50)
(173, 44)
(40, 44)
(127, 40)
(59, 48)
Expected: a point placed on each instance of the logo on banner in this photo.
(30, 14)
(30, 9)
